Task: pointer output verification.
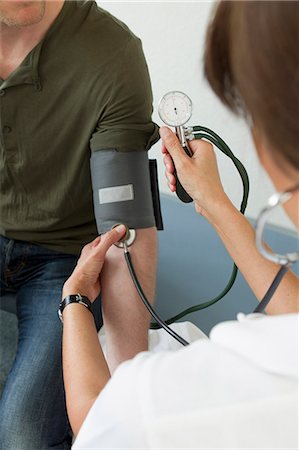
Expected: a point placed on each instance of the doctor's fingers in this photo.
(100, 245)
(173, 146)
(171, 181)
(108, 239)
(164, 149)
(168, 163)
(201, 147)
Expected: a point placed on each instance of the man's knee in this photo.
(27, 425)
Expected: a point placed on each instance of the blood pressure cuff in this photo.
(123, 190)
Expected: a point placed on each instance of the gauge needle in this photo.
(174, 107)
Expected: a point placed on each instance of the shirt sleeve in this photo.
(126, 123)
(115, 420)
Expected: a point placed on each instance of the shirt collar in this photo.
(28, 71)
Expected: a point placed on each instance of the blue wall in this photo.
(194, 266)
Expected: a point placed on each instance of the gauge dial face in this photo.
(175, 108)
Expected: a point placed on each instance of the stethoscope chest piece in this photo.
(128, 238)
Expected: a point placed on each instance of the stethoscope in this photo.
(175, 110)
(285, 261)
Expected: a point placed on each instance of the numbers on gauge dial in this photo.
(175, 108)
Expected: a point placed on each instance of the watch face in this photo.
(175, 108)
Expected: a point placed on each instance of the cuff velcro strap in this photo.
(76, 298)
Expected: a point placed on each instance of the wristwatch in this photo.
(76, 298)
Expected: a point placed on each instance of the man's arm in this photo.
(119, 145)
(125, 317)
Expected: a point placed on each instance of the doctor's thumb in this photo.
(112, 236)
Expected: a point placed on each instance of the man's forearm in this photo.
(125, 317)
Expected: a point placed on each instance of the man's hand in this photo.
(85, 278)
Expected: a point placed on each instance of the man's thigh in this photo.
(32, 409)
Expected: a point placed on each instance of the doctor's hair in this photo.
(252, 64)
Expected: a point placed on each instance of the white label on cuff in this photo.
(116, 194)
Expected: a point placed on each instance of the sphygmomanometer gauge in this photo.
(175, 108)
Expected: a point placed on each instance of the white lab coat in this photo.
(236, 390)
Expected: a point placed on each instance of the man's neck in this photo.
(17, 42)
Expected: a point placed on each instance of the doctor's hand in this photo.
(85, 278)
(198, 175)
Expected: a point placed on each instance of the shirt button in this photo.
(7, 129)
(2, 92)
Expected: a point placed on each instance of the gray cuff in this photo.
(121, 189)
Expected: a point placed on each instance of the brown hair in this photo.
(252, 64)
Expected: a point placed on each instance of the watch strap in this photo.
(75, 298)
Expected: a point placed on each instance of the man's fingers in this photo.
(173, 146)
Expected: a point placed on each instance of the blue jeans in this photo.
(32, 408)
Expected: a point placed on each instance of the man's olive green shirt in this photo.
(85, 87)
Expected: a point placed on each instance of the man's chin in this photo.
(18, 13)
